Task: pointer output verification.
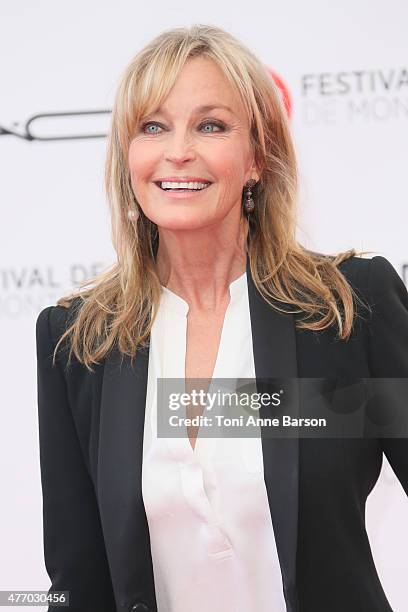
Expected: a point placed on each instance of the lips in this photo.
(181, 191)
(182, 179)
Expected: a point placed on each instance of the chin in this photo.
(183, 219)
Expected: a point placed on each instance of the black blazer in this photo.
(96, 537)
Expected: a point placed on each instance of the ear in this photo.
(256, 176)
(254, 172)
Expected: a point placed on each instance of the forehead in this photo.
(201, 87)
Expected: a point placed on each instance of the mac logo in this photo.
(71, 125)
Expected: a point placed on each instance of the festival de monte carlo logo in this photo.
(359, 96)
(27, 289)
(362, 96)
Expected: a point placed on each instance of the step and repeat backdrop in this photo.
(343, 71)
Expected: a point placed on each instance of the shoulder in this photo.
(375, 278)
(384, 280)
(52, 322)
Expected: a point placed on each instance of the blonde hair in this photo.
(115, 310)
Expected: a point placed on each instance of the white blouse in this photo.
(211, 534)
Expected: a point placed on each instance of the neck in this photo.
(199, 265)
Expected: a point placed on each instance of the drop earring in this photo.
(133, 215)
(249, 204)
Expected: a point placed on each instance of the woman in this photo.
(210, 282)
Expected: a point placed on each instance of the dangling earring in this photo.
(249, 204)
(133, 215)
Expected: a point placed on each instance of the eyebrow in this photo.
(200, 109)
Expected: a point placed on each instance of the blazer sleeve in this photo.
(388, 345)
(74, 550)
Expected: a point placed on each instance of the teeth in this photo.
(174, 185)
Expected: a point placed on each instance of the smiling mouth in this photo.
(181, 189)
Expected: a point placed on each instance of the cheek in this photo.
(141, 162)
(232, 173)
(229, 163)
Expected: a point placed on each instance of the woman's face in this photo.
(182, 140)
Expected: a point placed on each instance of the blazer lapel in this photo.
(120, 453)
(119, 478)
(274, 346)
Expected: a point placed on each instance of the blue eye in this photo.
(218, 125)
(150, 124)
(147, 125)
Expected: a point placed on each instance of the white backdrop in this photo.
(343, 66)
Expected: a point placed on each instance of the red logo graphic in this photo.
(286, 97)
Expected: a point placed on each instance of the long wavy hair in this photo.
(114, 308)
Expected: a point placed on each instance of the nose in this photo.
(180, 149)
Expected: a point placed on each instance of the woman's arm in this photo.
(388, 350)
(74, 550)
